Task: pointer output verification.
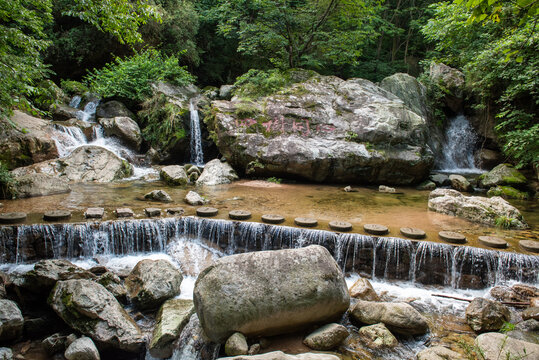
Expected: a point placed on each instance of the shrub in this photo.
(7, 183)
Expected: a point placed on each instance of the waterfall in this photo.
(75, 101)
(458, 150)
(88, 114)
(197, 156)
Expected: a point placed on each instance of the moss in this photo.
(507, 192)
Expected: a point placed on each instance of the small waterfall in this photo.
(197, 156)
(68, 138)
(75, 101)
(458, 150)
(88, 114)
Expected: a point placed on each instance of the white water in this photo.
(75, 102)
(197, 155)
(458, 150)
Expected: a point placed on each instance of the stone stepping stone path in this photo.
(207, 211)
(12, 217)
(452, 237)
(338, 225)
(57, 215)
(124, 212)
(239, 214)
(152, 212)
(272, 219)
(94, 213)
(413, 233)
(529, 245)
(175, 211)
(305, 222)
(375, 229)
(493, 241)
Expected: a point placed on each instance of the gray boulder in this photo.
(6, 353)
(279, 355)
(439, 353)
(495, 346)
(112, 109)
(236, 344)
(460, 183)
(409, 90)
(11, 321)
(327, 337)
(82, 349)
(216, 172)
(151, 282)
(193, 198)
(486, 315)
(114, 285)
(174, 175)
(38, 184)
(63, 112)
(398, 317)
(225, 92)
(377, 336)
(475, 208)
(89, 308)
(123, 128)
(47, 272)
(158, 195)
(269, 292)
(363, 290)
(503, 174)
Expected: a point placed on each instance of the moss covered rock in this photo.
(507, 192)
(503, 174)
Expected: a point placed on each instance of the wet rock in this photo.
(11, 321)
(173, 315)
(269, 292)
(82, 349)
(193, 198)
(503, 174)
(327, 337)
(88, 307)
(125, 129)
(439, 353)
(487, 158)
(64, 112)
(194, 344)
(398, 317)
(386, 189)
(426, 185)
(236, 344)
(216, 172)
(254, 349)
(495, 346)
(6, 353)
(174, 175)
(363, 290)
(279, 355)
(377, 336)
(460, 183)
(47, 272)
(114, 285)
(507, 192)
(175, 211)
(475, 208)
(440, 179)
(32, 185)
(158, 195)
(527, 330)
(486, 315)
(112, 109)
(151, 282)
(193, 169)
(531, 313)
(54, 343)
(452, 81)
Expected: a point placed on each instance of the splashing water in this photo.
(458, 150)
(75, 101)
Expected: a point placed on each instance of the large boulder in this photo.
(324, 129)
(112, 109)
(174, 175)
(82, 349)
(486, 315)
(269, 292)
(503, 174)
(89, 308)
(439, 353)
(216, 172)
(40, 185)
(401, 318)
(170, 321)
(64, 112)
(45, 274)
(151, 282)
(490, 211)
(495, 346)
(451, 81)
(84, 164)
(123, 128)
(11, 321)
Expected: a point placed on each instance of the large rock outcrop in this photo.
(269, 292)
(324, 129)
(84, 164)
(490, 211)
(452, 82)
(496, 346)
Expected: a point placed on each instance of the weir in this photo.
(385, 258)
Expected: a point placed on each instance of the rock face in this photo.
(324, 129)
(84, 164)
(503, 174)
(151, 282)
(476, 208)
(124, 128)
(486, 315)
(216, 172)
(269, 292)
(397, 317)
(487, 159)
(89, 308)
(452, 81)
(496, 346)
(327, 337)
(174, 175)
(363, 290)
(11, 321)
(82, 349)
(111, 109)
(40, 185)
(409, 90)
(170, 321)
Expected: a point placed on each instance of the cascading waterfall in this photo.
(197, 155)
(383, 258)
(88, 114)
(458, 150)
(75, 101)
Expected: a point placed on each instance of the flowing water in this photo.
(460, 144)
(197, 155)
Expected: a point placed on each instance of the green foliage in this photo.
(252, 166)
(7, 183)
(504, 222)
(506, 327)
(257, 83)
(73, 87)
(351, 136)
(274, 180)
(131, 77)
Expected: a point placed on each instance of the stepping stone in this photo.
(12, 218)
(413, 233)
(529, 245)
(152, 212)
(239, 214)
(57, 215)
(493, 241)
(306, 222)
(272, 219)
(124, 212)
(94, 213)
(376, 229)
(452, 237)
(175, 211)
(207, 211)
(340, 225)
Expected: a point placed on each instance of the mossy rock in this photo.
(507, 192)
(503, 174)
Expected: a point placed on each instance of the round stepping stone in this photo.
(272, 219)
(57, 215)
(452, 237)
(207, 211)
(493, 241)
(376, 229)
(306, 222)
(340, 225)
(12, 218)
(413, 233)
(239, 214)
(529, 245)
